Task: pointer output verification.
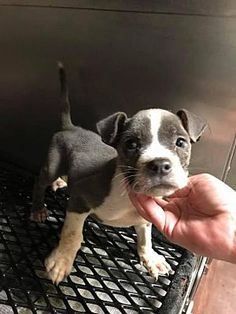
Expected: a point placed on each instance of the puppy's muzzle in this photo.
(159, 167)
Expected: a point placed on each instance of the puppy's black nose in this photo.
(159, 166)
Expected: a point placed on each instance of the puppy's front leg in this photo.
(155, 263)
(60, 261)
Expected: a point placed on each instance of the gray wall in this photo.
(119, 55)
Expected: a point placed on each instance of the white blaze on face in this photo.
(155, 150)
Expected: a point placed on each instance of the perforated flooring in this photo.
(106, 276)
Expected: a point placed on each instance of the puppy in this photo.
(148, 153)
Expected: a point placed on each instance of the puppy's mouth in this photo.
(154, 187)
(160, 190)
(157, 190)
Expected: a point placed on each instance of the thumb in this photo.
(153, 211)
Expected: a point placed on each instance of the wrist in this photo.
(232, 256)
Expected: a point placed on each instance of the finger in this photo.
(143, 213)
(153, 211)
(180, 193)
(138, 206)
(162, 202)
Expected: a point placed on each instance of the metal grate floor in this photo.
(106, 277)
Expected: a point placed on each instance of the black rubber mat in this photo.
(106, 276)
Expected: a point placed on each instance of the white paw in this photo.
(155, 264)
(58, 265)
(59, 183)
(39, 215)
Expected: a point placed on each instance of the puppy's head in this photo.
(154, 147)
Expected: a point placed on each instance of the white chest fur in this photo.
(117, 209)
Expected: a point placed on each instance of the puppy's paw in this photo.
(155, 264)
(58, 265)
(59, 183)
(39, 215)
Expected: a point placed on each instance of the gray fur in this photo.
(137, 129)
(170, 131)
(86, 160)
(82, 156)
(192, 123)
(66, 123)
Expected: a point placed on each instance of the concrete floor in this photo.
(217, 291)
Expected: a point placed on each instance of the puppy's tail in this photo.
(66, 123)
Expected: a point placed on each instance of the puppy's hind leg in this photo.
(59, 183)
(154, 262)
(48, 174)
(60, 261)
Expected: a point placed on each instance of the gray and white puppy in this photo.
(148, 154)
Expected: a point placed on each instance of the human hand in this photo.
(200, 217)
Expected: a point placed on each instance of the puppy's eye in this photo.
(131, 145)
(181, 142)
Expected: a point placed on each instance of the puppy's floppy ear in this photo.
(192, 123)
(111, 127)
